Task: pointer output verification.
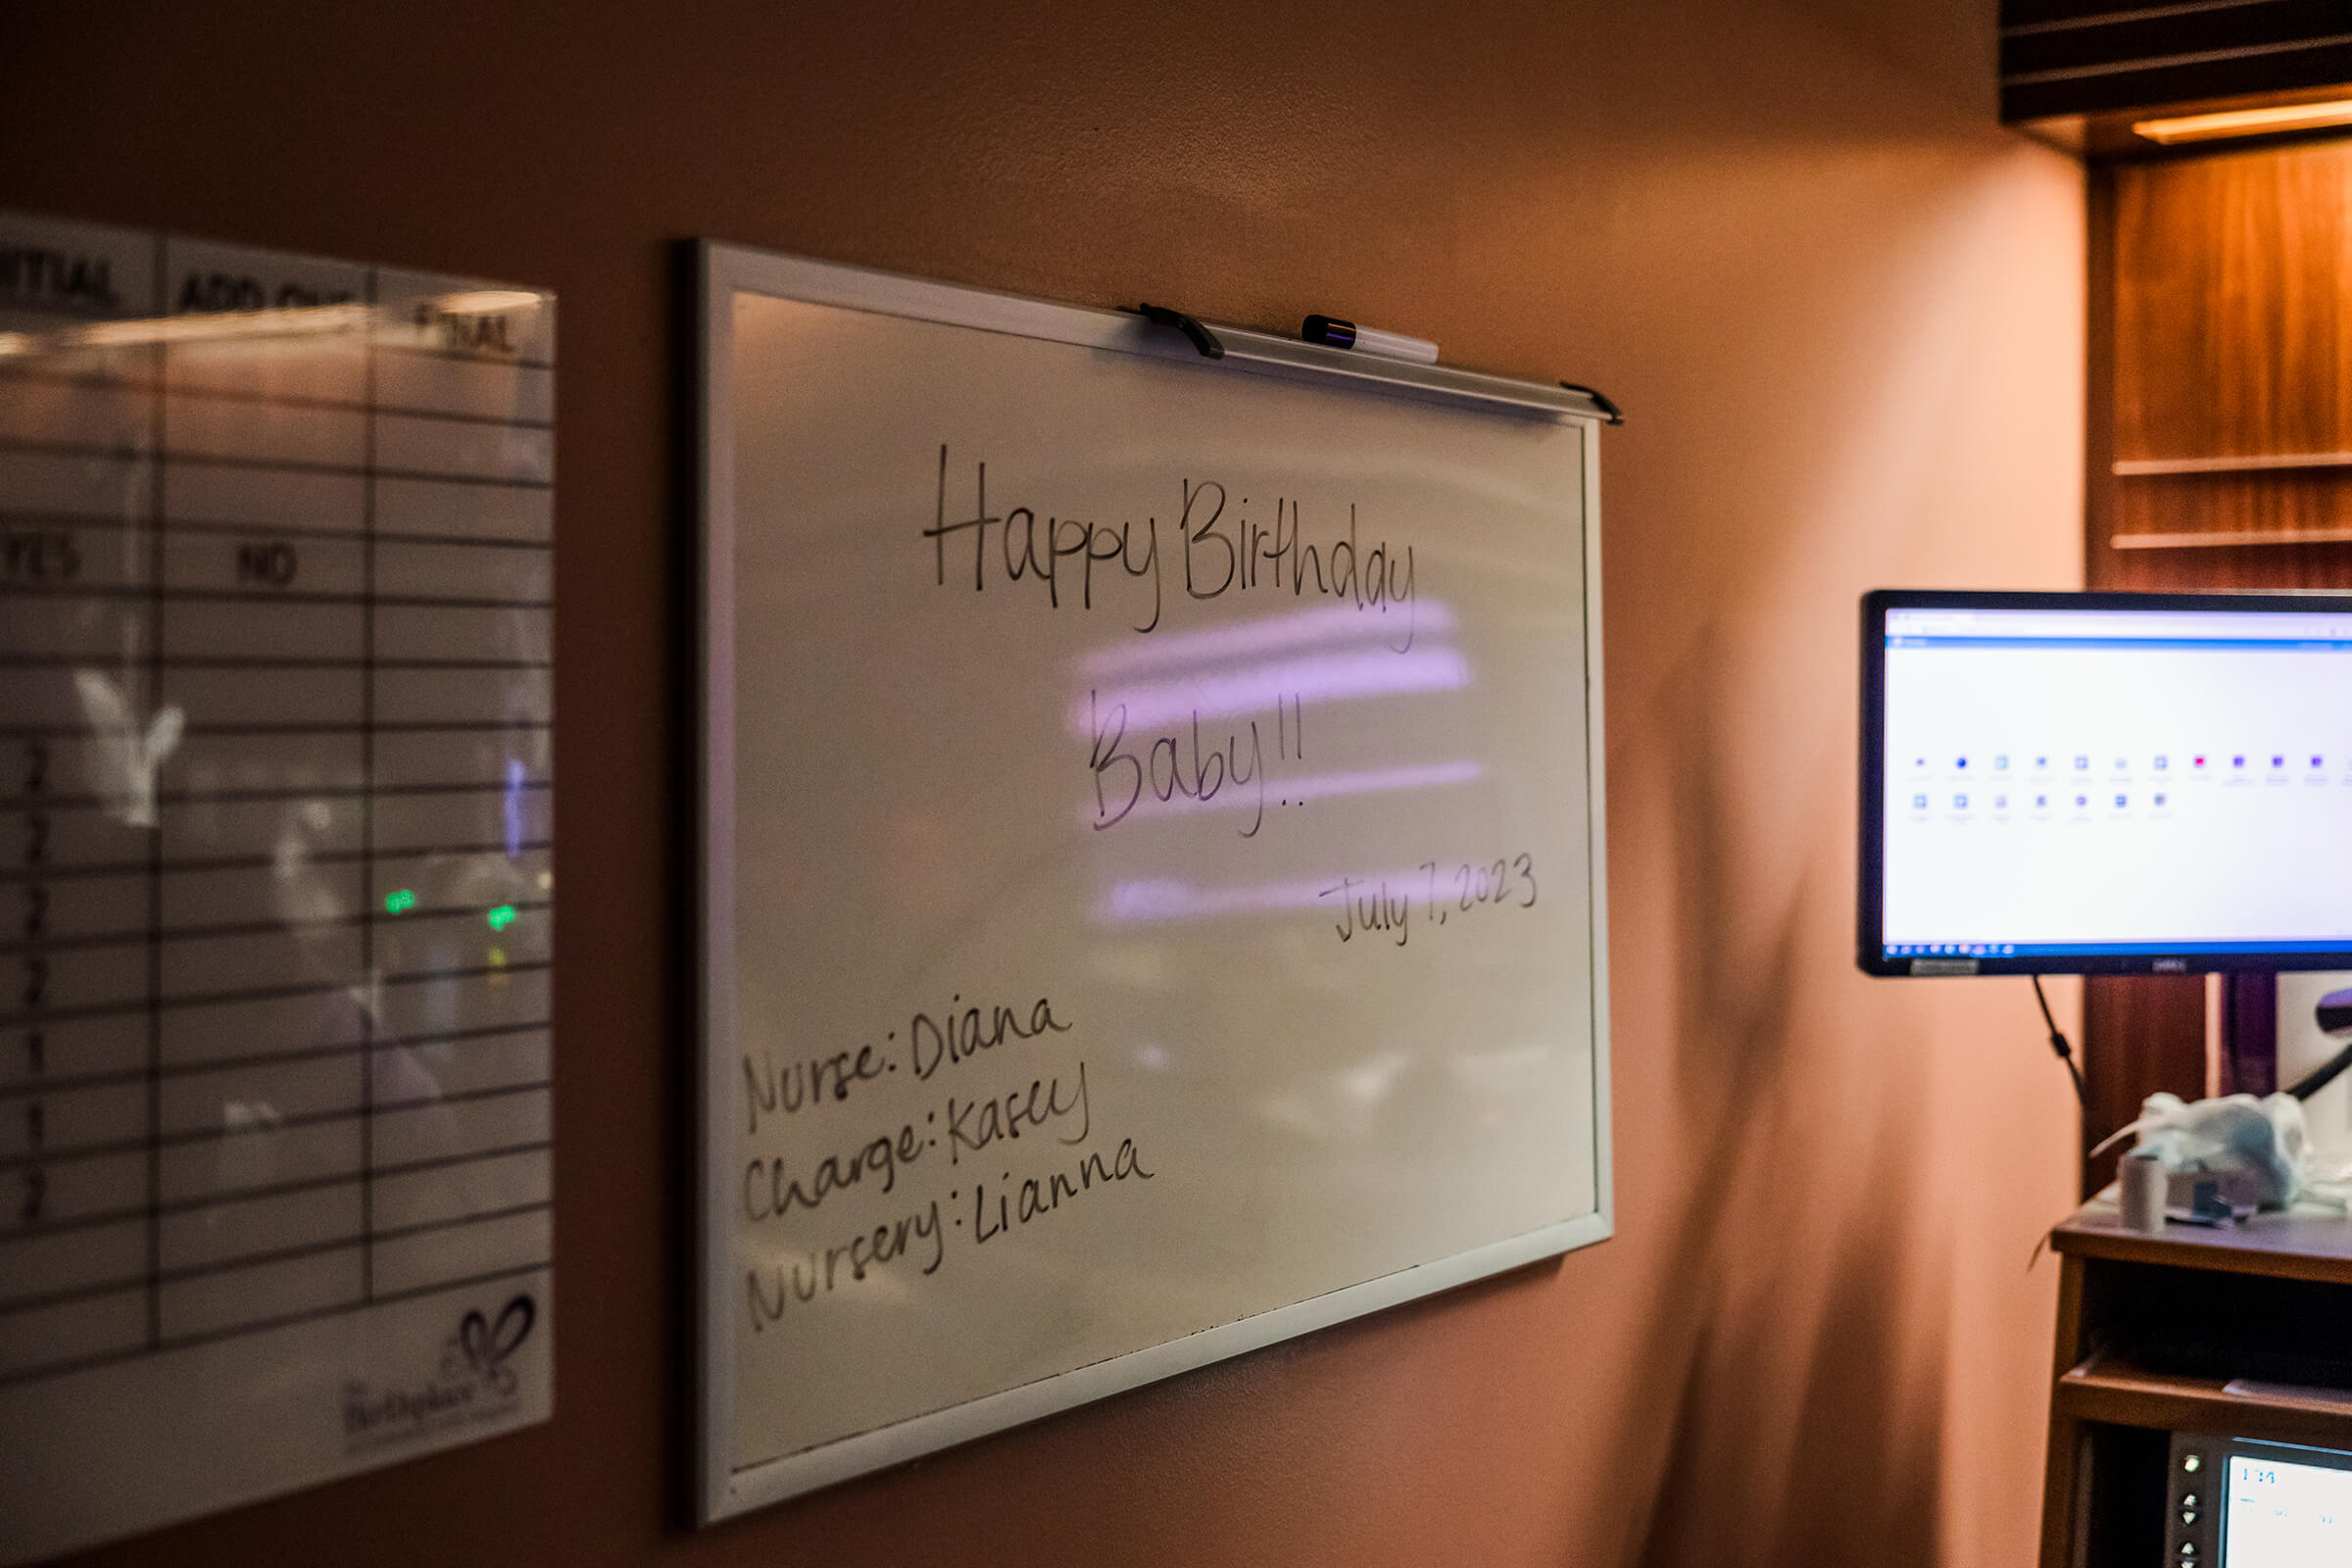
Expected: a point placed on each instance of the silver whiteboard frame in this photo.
(722, 270)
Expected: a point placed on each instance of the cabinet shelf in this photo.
(2230, 539)
(2255, 463)
(2167, 1334)
(2291, 1246)
(2116, 1390)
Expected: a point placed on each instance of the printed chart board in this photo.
(1153, 860)
(275, 555)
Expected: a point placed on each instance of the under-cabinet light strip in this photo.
(2141, 467)
(2231, 539)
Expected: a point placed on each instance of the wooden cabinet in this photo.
(2232, 349)
(2165, 1334)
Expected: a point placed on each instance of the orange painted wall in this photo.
(1846, 315)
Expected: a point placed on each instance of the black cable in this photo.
(2066, 1052)
(2320, 1077)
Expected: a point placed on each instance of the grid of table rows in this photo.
(274, 796)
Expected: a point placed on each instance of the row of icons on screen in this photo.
(2041, 802)
(1971, 949)
(2161, 762)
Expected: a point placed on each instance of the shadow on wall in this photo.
(1803, 1372)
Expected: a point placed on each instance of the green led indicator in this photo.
(501, 917)
(400, 902)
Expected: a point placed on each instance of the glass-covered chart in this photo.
(277, 561)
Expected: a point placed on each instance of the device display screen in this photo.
(2286, 1515)
(2070, 782)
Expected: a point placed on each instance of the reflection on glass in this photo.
(277, 738)
(125, 753)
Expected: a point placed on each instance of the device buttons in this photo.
(2190, 1538)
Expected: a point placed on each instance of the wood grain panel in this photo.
(2218, 571)
(2232, 503)
(2234, 304)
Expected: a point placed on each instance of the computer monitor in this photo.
(2105, 783)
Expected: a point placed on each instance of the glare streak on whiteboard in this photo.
(1166, 899)
(1324, 677)
(1324, 786)
(1196, 650)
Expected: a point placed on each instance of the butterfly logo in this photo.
(482, 1344)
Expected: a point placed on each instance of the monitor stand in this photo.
(2251, 1058)
(2250, 1032)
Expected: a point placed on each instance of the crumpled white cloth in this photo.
(2264, 1138)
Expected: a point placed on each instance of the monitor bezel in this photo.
(1869, 887)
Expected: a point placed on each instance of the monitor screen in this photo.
(2284, 1514)
(2105, 782)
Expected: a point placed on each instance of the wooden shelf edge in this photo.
(2230, 539)
(2279, 1245)
(2260, 462)
(2120, 1395)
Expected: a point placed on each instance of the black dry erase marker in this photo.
(1333, 333)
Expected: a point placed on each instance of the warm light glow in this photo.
(2246, 121)
(218, 324)
(1323, 677)
(238, 326)
(486, 302)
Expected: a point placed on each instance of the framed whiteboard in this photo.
(1151, 851)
